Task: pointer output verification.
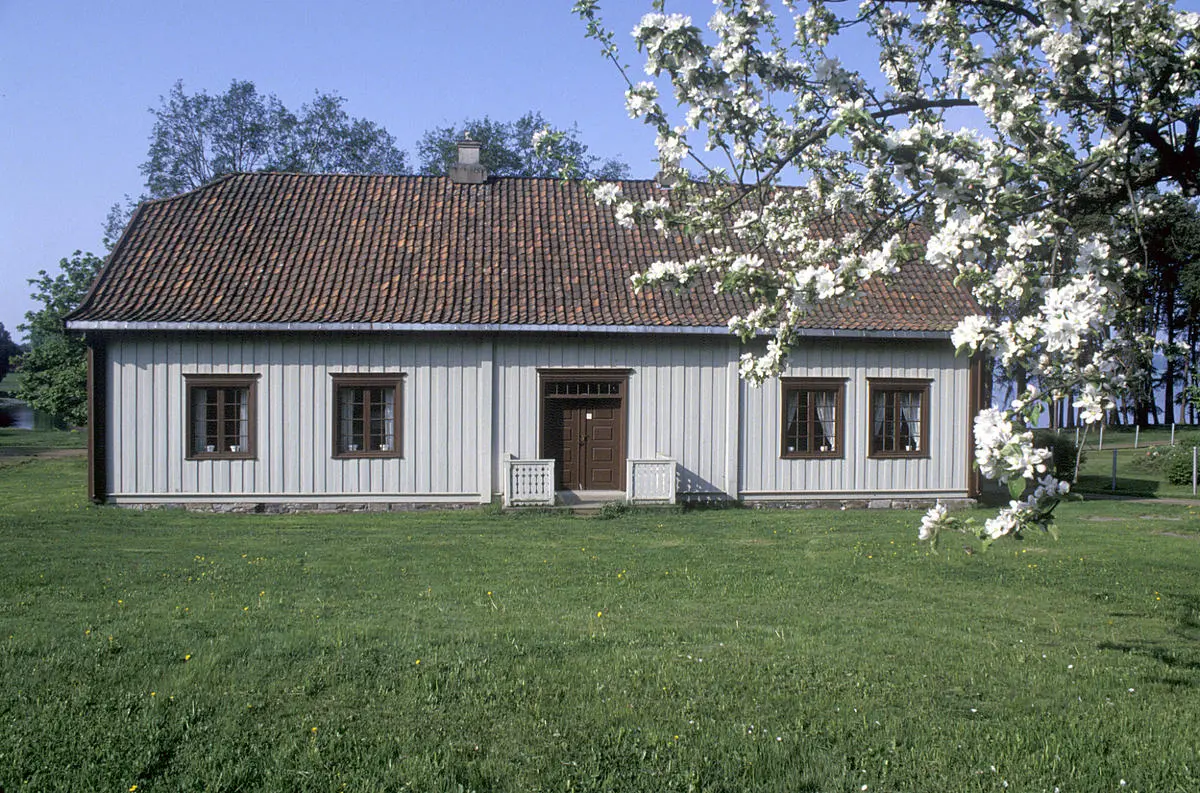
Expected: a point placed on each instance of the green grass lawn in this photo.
(9, 383)
(24, 442)
(729, 650)
(1095, 475)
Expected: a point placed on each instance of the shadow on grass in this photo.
(1156, 650)
(1180, 655)
(1126, 486)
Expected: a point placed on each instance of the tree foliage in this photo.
(8, 349)
(1082, 109)
(199, 137)
(54, 371)
(1167, 246)
(508, 150)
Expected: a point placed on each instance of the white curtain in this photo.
(238, 407)
(909, 405)
(792, 433)
(383, 418)
(346, 435)
(200, 436)
(826, 410)
(880, 420)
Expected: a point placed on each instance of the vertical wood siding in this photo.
(439, 412)
(765, 472)
(469, 400)
(676, 405)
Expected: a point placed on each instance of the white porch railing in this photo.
(650, 481)
(529, 483)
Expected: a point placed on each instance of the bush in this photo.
(612, 509)
(1062, 444)
(1176, 464)
(1152, 459)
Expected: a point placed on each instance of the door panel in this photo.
(585, 437)
(602, 424)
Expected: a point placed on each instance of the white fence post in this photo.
(1114, 476)
(1100, 448)
(650, 481)
(1194, 470)
(1137, 431)
(1172, 434)
(529, 483)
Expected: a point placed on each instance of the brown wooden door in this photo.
(586, 437)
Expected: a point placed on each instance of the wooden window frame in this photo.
(221, 382)
(812, 385)
(898, 386)
(370, 382)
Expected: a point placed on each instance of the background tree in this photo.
(8, 350)
(54, 371)
(508, 150)
(1170, 250)
(199, 137)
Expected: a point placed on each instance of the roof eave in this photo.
(417, 327)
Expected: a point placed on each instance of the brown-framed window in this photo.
(899, 418)
(221, 416)
(813, 418)
(366, 415)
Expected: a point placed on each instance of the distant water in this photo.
(19, 416)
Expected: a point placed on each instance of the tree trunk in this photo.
(1170, 374)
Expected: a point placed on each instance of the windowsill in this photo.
(222, 456)
(898, 456)
(812, 456)
(376, 455)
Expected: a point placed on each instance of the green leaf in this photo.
(1016, 487)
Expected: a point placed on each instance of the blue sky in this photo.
(77, 80)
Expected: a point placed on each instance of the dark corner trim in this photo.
(97, 427)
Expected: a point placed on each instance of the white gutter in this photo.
(417, 327)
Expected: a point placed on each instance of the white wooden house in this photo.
(281, 340)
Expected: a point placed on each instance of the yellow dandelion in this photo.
(187, 657)
(314, 730)
(418, 663)
(599, 613)
(154, 693)
(132, 788)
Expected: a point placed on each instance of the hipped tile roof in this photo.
(299, 248)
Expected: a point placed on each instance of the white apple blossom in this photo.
(1077, 108)
(606, 194)
(624, 214)
(972, 333)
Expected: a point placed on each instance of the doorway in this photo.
(583, 430)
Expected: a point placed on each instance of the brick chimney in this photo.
(468, 169)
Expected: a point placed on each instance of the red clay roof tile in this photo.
(299, 248)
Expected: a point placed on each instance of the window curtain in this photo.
(346, 419)
(383, 418)
(825, 403)
(200, 435)
(909, 404)
(239, 407)
(793, 421)
(880, 421)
